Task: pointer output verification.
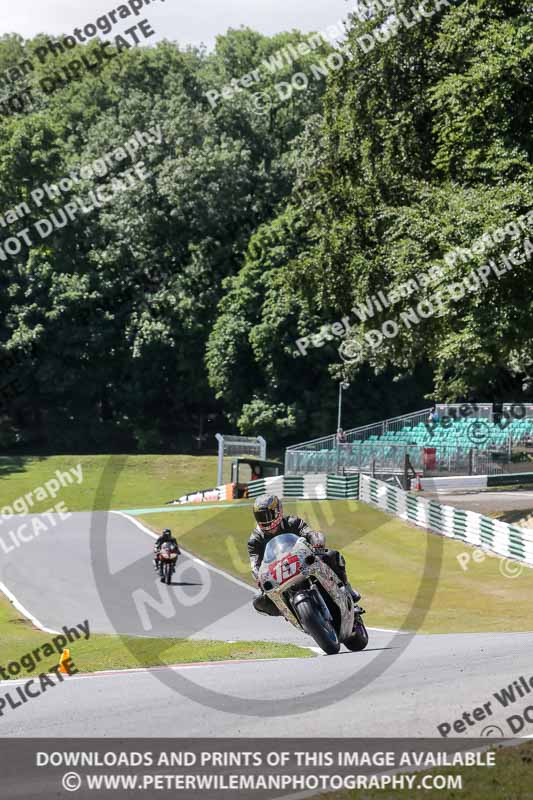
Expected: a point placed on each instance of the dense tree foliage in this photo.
(265, 219)
(425, 149)
(109, 316)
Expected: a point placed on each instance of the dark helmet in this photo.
(167, 533)
(268, 512)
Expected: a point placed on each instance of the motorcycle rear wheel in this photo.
(359, 639)
(314, 623)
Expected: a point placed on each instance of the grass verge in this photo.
(510, 779)
(18, 638)
(386, 559)
(139, 481)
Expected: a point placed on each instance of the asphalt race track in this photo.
(53, 577)
(433, 681)
(400, 686)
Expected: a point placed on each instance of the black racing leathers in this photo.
(157, 547)
(259, 539)
(256, 549)
(168, 540)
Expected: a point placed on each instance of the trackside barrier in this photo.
(475, 481)
(217, 494)
(342, 487)
(308, 487)
(305, 487)
(475, 529)
(466, 526)
(272, 485)
(510, 479)
(443, 485)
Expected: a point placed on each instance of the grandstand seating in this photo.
(452, 443)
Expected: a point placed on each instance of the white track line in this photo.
(112, 673)
(389, 630)
(189, 555)
(24, 611)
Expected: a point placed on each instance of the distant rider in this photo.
(165, 538)
(268, 513)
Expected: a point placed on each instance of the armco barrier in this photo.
(293, 486)
(512, 479)
(457, 483)
(474, 482)
(467, 526)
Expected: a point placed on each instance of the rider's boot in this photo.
(355, 594)
(355, 597)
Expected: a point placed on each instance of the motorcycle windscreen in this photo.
(278, 546)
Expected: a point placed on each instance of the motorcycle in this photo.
(310, 595)
(168, 557)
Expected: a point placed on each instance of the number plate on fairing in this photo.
(285, 569)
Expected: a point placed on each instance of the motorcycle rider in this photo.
(165, 538)
(268, 513)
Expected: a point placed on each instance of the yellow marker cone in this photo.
(65, 657)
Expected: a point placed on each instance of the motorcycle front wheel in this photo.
(316, 625)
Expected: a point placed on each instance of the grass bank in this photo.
(131, 481)
(18, 638)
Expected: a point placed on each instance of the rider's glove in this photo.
(317, 540)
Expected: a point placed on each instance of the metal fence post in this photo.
(220, 462)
